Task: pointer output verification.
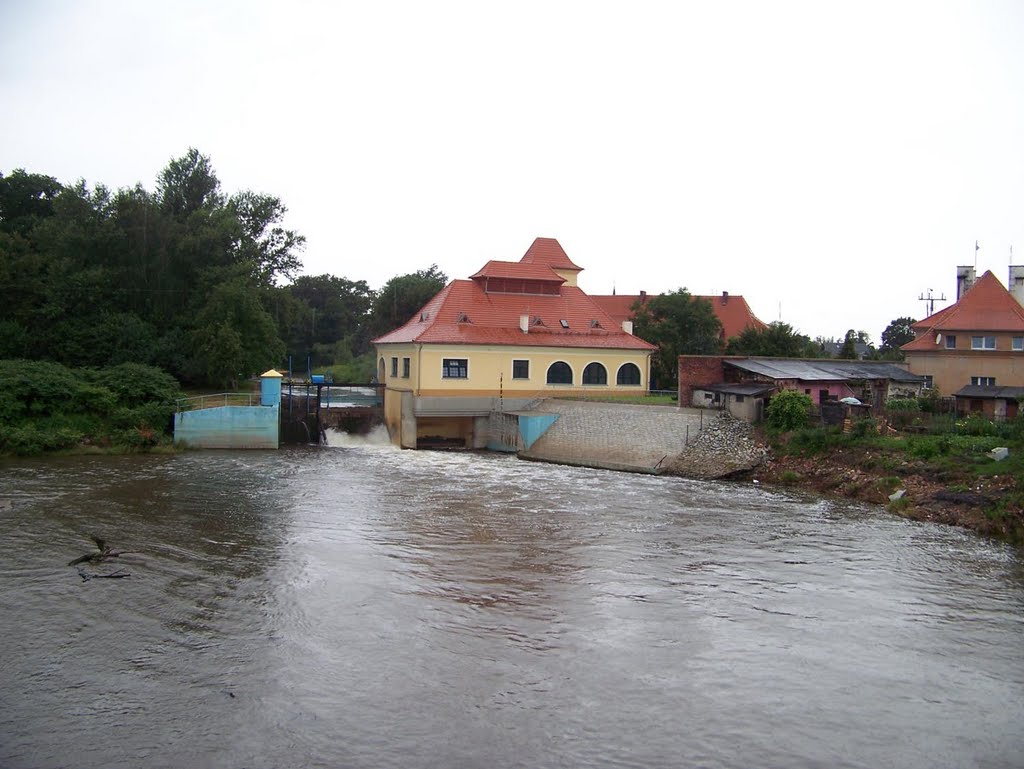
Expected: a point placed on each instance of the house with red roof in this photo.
(732, 311)
(485, 348)
(974, 347)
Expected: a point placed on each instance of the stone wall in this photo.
(614, 436)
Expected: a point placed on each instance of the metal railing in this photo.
(217, 399)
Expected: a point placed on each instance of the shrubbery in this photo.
(46, 406)
(787, 410)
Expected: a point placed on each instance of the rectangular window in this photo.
(455, 368)
(520, 369)
(394, 367)
(950, 341)
(984, 381)
(739, 399)
(983, 343)
(405, 368)
(1018, 344)
(929, 381)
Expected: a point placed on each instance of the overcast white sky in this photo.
(830, 162)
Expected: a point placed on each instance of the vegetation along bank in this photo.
(922, 465)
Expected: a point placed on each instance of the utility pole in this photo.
(930, 300)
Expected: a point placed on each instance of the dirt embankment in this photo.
(984, 505)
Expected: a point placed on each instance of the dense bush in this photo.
(46, 406)
(787, 410)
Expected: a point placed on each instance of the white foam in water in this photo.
(378, 436)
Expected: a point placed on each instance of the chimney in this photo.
(725, 297)
(964, 280)
(524, 324)
(643, 297)
(1016, 282)
(627, 326)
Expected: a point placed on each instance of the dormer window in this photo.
(424, 316)
(537, 321)
(564, 322)
(595, 323)
(463, 318)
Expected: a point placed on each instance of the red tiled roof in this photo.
(518, 271)
(548, 251)
(494, 319)
(987, 306)
(733, 313)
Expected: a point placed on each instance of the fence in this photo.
(217, 399)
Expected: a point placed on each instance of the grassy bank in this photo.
(950, 477)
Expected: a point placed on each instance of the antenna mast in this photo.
(930, 300)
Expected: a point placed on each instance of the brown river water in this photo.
(359, 606)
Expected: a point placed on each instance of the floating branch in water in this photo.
(104, 552)
(86, 576)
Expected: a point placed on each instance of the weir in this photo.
(283, 412)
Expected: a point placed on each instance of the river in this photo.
(360, 606)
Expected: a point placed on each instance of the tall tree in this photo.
(188, 184)
(334, 309)
(896, 334)
(261, 242)
(679, 324)
(234, 337)
(778, 340)
(849, 348)
(25, 199)
(402, 297)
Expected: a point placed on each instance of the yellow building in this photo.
(975, 348)
(486, 348)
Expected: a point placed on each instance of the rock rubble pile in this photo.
(724, 447)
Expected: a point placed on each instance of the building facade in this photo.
(511, 334)
(976, 342)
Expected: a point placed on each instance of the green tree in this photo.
(777, 340)
(25, 200)
(896, 334)
(679, 324)
(849, 349)
(787, 410)
(402, 297)
(332, 309)
(261, 242)
(234, 337)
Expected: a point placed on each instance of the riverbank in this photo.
(989, 504)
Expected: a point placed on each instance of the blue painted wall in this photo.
(533, 426)
(228, 427)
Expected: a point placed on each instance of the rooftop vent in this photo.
(595, 323)
(424, 316)
(537, 321)
(463, 318)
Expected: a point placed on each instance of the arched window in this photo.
(381, 371)
(595, 374)
(628, 374)
(559, 372)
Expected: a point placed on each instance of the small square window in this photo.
(1018, 344)
(394, 367)
(929, 381)
(455, 368)
(520, 369)
(739, 399)
(951, 341)
(405, 368)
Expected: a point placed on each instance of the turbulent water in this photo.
(359, 606)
